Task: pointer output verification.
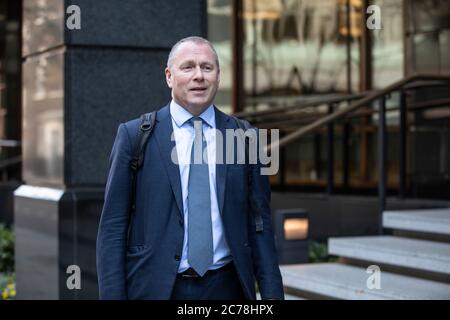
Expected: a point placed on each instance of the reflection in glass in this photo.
(428, 15)
(426, 53)
(428, 36)
(444, 47)
(43, 135)
(387, 47)
(298, 47)
(43, 25)
(219, 27)
(306, 160)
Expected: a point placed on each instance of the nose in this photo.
(198, 75)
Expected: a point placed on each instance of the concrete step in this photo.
(426, 220)
(422, 255)
(338, 281)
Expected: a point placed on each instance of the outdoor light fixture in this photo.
(291, 235)
(295, 228)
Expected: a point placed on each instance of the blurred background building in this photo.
(364, 116)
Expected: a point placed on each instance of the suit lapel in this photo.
(163, 133)
(222, 123)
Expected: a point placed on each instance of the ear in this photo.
(168, 77)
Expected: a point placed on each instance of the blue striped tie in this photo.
(200, 240)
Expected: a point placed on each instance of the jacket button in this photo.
(177, 257)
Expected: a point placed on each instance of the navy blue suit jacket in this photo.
(146, 268)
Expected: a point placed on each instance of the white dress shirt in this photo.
(184, 137)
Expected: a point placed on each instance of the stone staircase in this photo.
(414, 260)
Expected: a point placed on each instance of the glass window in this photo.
(387, 47)
(219, 33)
(429, 36)
(444, 50)
(426, 53)
(295, 47)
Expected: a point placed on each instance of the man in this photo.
(192, 235)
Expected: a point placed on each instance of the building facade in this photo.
(285, 64)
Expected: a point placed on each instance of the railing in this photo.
(253, 116)
(362, 101)
(381, 94)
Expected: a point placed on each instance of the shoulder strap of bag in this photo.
(145, 130)
(244, 125)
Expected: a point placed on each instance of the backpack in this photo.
(146, 128)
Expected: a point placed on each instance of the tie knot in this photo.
(196, 120)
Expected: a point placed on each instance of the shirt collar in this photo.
(180, 115)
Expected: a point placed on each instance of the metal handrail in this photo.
(354, 106)
(357, 114)
(306, 104)
(380, 95)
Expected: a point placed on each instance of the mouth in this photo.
(198, 89)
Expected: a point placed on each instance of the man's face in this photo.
(193, 76)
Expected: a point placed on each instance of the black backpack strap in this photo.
(147, 124)
(245, 125)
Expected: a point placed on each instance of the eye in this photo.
(207, 68)
(186, 67)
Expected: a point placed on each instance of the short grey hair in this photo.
(196, 40)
